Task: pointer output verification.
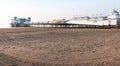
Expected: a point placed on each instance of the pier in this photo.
(61, 25)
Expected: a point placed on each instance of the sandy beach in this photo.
(59, 47)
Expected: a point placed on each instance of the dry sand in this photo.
(59, 47)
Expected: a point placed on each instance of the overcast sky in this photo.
(43, 10)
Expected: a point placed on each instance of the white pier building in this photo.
(112, 20)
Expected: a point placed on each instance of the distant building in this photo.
(20, 22)
(112, 20)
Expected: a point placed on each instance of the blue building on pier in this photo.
(19, 22)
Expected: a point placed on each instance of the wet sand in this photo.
(59, 47)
